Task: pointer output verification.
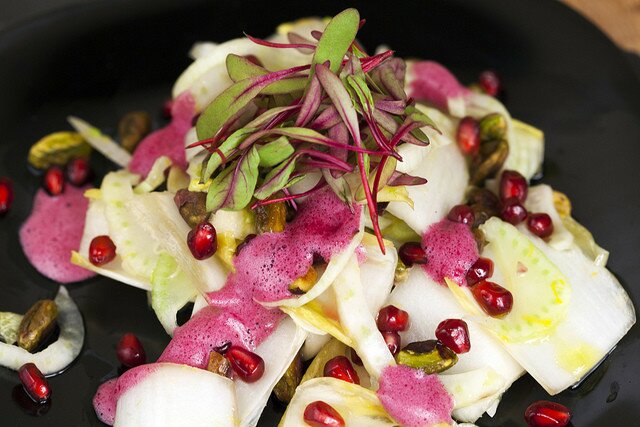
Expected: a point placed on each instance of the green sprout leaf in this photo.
(336, 39)
(275, 152)
(233, 188)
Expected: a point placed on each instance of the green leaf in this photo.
(233, 187)
(275, 152)
(359, 86)
(266, 117)
(277, 179)
(230, 144)
(240, 68)
(336, 39)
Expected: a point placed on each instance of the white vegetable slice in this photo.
(358, 406)
(155, 177)
(101, 142)
(471, 387)
(57, 356)
(446, 171)
(9, 324)
(278, 351)
(540, 199)
(178, 395)
(568, 313)
(526, 150)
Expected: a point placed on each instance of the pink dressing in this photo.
(168, 141)
(451, 251)
(413, 398)
(54, 228)
(434, 83)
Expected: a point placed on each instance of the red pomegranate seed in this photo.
(454, 333)
(53, 181)
(468, 136)
(34, 383)
(6, 195)
(130, 351)
(512, 184)
(412, 253)
(355, 358)
(547, 414)
(321, 414)
(494, 300)
(247, 365)
(393, 341)
(202, 240)
(463, 214)
(78, 171)
(540, 224)
(490, 82)
(513, 212)
(480, 270)
(392, 319)
(102, 250)
(341, 368)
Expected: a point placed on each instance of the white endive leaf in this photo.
(540, 199)
(57, 356)
(358, 406)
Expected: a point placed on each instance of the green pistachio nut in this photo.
(430, 356)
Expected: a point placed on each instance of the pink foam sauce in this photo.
(451, 251)
(434, 83)
(168, 141)
(413, 398)
(52, 231)
(265, 268)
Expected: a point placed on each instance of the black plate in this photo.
(102, 59)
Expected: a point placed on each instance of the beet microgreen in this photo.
(343, 114)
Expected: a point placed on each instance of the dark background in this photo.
(100, 59)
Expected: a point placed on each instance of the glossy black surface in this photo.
(103, 59)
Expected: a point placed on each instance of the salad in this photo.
(352, 232)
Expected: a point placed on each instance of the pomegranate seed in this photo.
(166, 108)
(130, 351)
(463, 214)
(53, 181)
(494, 300)
(412, 253)
(102, 250)
(540, 224)
(513, 184)
(247, 365)
(513, 212)
(34, 383)
(468, 136)
(6, 195)
(392, 319)
(78, 171)
(393, 341)
(202, 240)
(454, 333)
(490, 82)
(547, 414)
(355, 358)
(480, 270)
(341, 368)
(321, 414)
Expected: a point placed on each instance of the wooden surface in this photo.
(620, 19)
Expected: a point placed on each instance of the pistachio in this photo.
(302, 284)
(37, 323)
(286, 387)
(401, 273)
(192, 206)
(486, 166)
(562, 204)
(218, 364)
(430, 356)
(58, 149)
(132, 128)
(271, 218)
(493, 127)
(484, 204)
(480, 239)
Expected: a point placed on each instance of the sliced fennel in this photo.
(57, 356)
(9, 324)
(101, 142)
(177, 179)
(468, 388)
(585, 242)
(540, 199)
(526, 150)
(446, 171)
(278, 351)
(358, 406)
(155, 177)
(178, 395)
(570, 312)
